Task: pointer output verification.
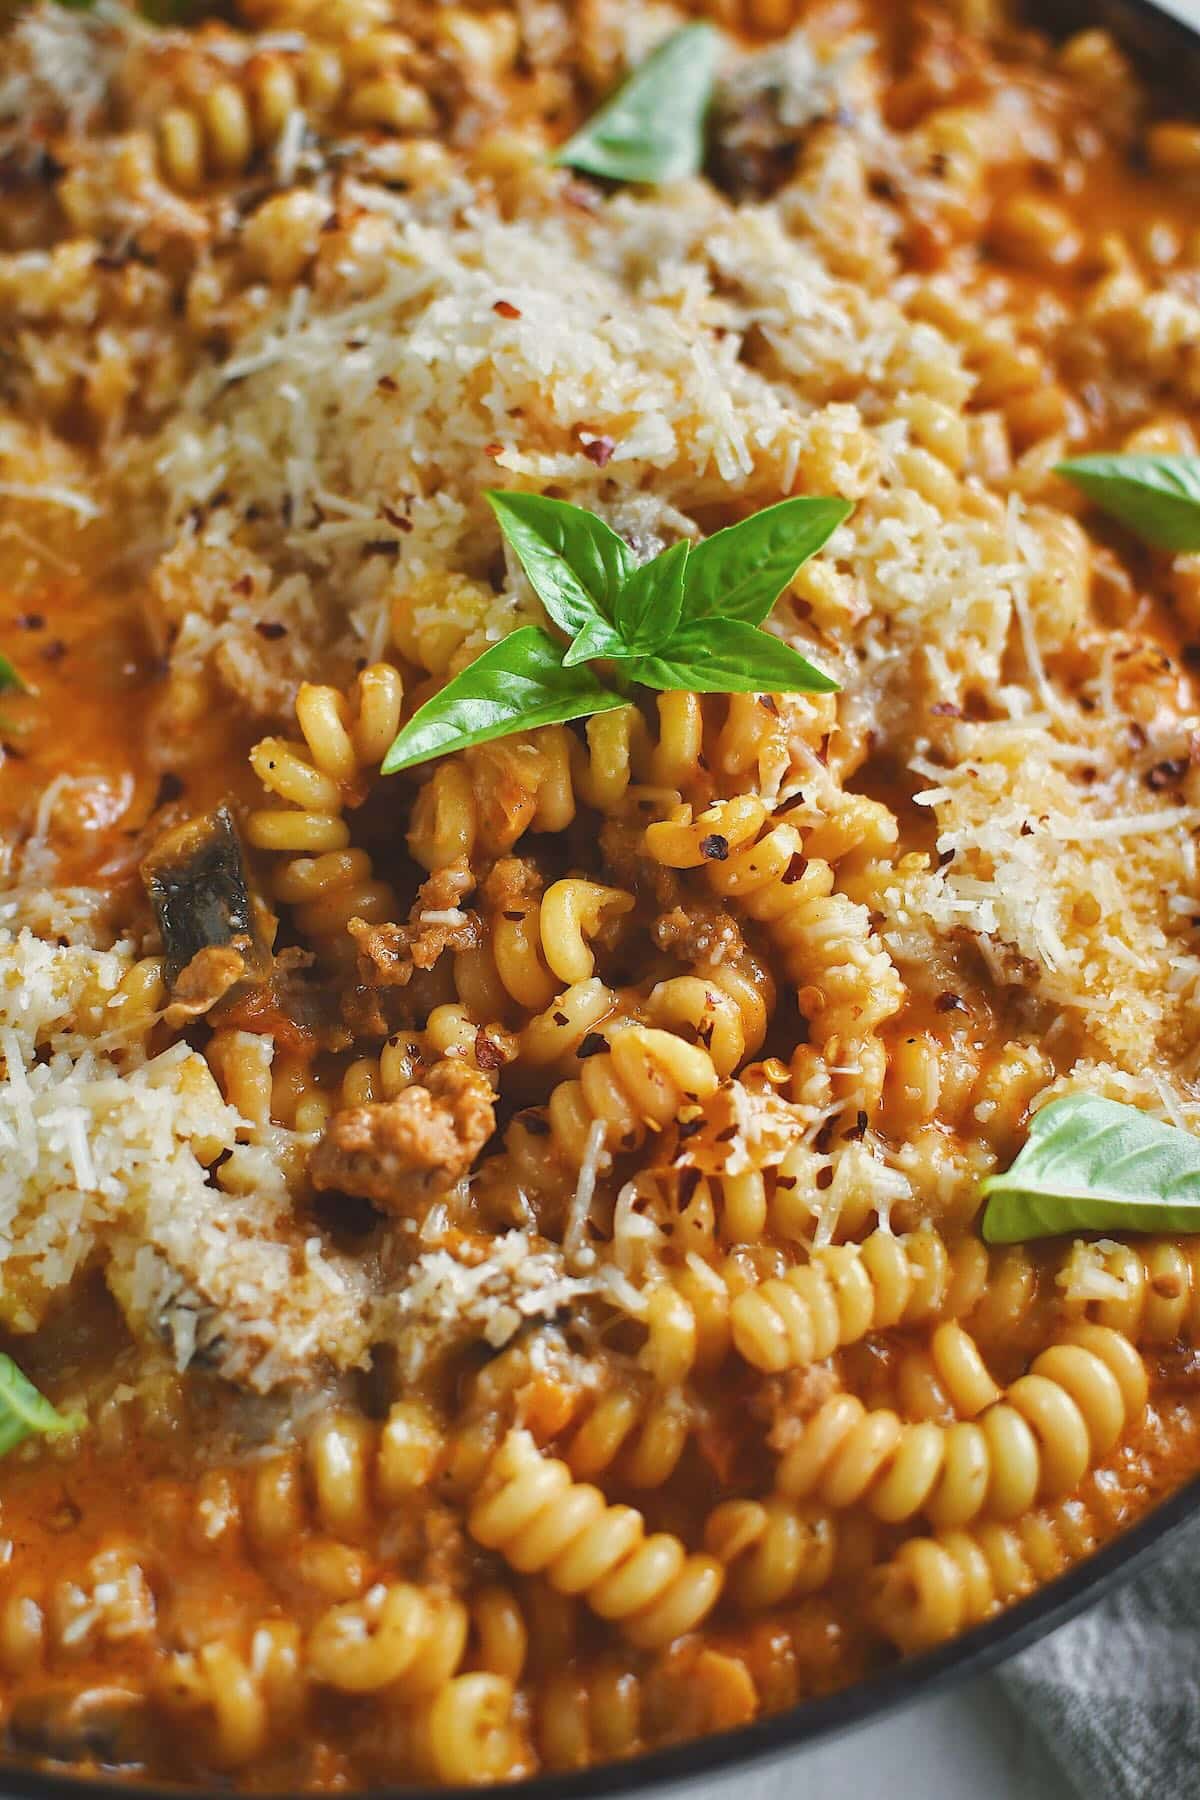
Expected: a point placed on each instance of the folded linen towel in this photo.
(1115, 1695)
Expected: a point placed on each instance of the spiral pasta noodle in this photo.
(935, 1587)
(320, 876)
(846, 1291)
(1037, 1442)
(543, 1521)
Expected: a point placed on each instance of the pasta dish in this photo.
(599, 798)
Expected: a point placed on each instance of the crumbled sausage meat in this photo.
(401, 1153)
(390, 953)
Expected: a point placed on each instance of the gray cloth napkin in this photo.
(1115, 1696)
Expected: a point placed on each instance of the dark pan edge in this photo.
(1168, 52)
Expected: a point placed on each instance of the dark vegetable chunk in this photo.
(211, 922)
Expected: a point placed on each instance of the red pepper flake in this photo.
(387, 384)
(271, 629)
(727, 1136)
(514, 918)
(560, 1018)
(859, 1128)
(493, 450)
(715, 847)
(689, 1127)
(594, 1044)
(824, 1178)
(381, 547)
(951, 1002)
(54, 651)
(30, 621)
(795, 870)
(170, 788)
(768, 704)
(1166, 774)
(946, 709)
(599, 451)
(244, 584)
(396, 518)
(533, 1122)
(506, 309)
(488, 1054)
(689, 1181)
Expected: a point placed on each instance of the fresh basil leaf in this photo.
(740, 572)
(598, 638)
(518, 684)
(1156, 497)
(24, 1412)
(727, 656)
(649, 604)
(1095, 1165)
(575, 563)
(652, 129)
(11, 682)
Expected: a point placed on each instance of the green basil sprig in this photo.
(1156, 497)
(11, 682)
(24, 1412)
(688, 619)
(652, 129)
(1095, 1165)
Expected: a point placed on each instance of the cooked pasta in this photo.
(518, 993)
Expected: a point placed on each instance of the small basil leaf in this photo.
(1095, 1165)
(24, 1412)
(740, 572)
(575, 563)
(652, 129)
(649, 604)
(598, 638)
(518, 684)
(727, 656)
(1156, 497)
(11, 682)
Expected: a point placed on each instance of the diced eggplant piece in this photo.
(105, 1725)
(210, 920)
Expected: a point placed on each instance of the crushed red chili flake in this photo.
(714, 847)
(593, 1045)
(271, 629)
(859, 1128)
(689, 1127)
(387, 384)
(30, 621)
(533, 1122)
(824, 1178)
(244, 584)
(599, 451)
(1166, 773)
(396, 518)
(560, 1018)
(381, 547)
(493, 450)
(950, 1002)
(514, 918)
(488, 1054)
(769, 703)
(795, 869)
(946, 709)
(170, 788)
(689, 1181)
(506, 309)
(54, 651)
(727, 1136)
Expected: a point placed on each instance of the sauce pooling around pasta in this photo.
(503, 1239)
